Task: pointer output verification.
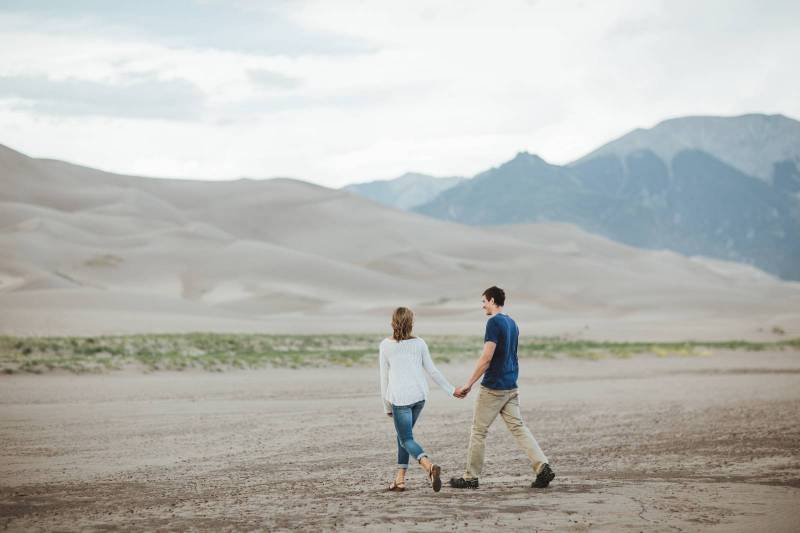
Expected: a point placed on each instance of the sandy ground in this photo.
(657, 444)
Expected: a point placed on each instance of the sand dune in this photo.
(84, 251)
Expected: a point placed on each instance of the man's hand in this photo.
(461, 392)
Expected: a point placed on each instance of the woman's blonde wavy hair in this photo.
(402, 322)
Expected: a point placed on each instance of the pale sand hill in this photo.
(88, 252)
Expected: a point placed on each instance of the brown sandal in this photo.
(435, 477)
(397, 487)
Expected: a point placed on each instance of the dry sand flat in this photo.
(84, 252)
(646, 444)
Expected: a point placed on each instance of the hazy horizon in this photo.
(338, 94)
(366, 179)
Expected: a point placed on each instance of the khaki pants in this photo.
(489, 404)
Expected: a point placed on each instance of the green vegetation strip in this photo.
(218, 352)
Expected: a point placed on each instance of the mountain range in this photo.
(721, 187)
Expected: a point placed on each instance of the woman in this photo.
(404, 390)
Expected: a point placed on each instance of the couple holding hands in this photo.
(404, 390)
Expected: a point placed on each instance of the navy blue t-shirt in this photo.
(504, 367)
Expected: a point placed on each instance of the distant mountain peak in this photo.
(413, 176)
(527, 157)
(524, 160)
(407, 191)
(747, 117)
(751, 143)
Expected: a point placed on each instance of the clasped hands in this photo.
(461, 392)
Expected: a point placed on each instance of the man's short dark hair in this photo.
(497, 294)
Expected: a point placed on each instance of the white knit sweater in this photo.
(402, 379)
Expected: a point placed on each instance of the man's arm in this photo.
(480, 367)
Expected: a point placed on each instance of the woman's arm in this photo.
(437, 376)
(384, 373)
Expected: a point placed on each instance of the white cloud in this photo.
(446, 88)
(142, 96)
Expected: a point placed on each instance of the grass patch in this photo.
(219, 352)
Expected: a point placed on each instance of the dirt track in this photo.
(648, 443)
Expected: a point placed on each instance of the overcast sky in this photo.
(335, 91)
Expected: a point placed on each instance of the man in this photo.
(498, 395)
